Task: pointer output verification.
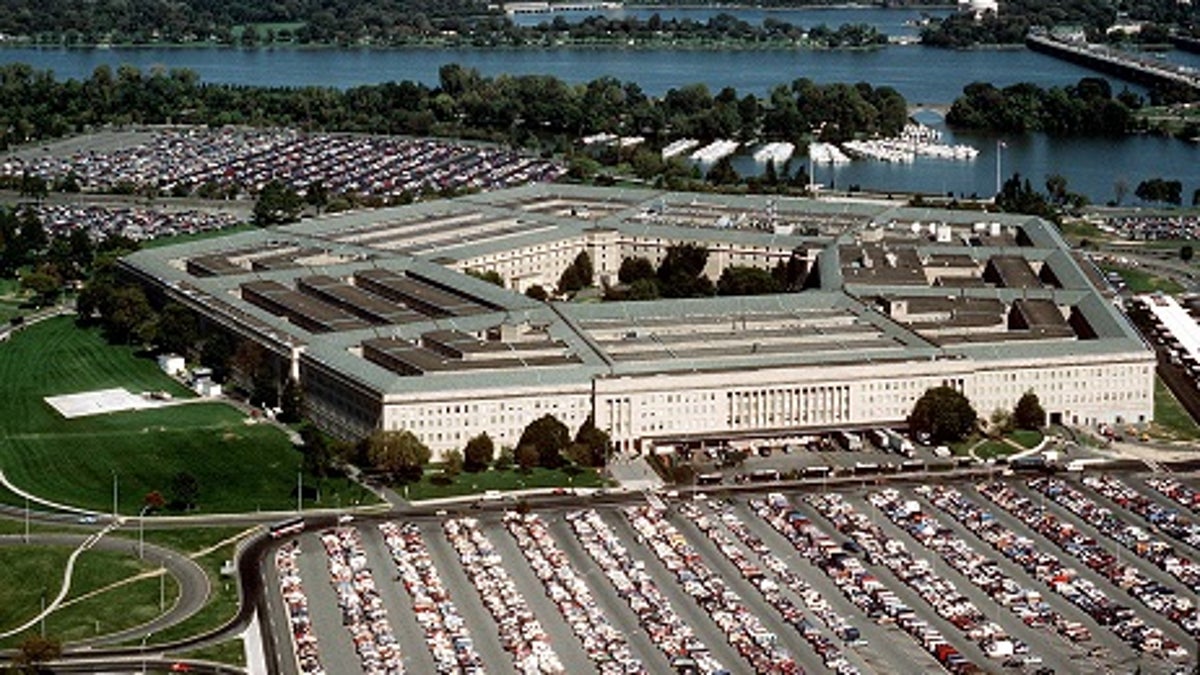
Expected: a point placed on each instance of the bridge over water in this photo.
(1116, 62)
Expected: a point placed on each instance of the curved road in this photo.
(193, 582)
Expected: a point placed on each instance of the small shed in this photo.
(171, 364)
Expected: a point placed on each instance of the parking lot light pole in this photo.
(114, 474)
(143, 650)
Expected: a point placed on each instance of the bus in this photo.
(763, 476)
(287, 528)
(714, 478)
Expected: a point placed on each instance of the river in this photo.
(922, 75)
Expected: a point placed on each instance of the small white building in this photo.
(171, 364)
(979, 7)
(207, 388)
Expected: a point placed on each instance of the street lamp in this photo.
(143, 650)
(142, 532)
(114, 475)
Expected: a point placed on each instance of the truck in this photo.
(849, 441)
(897, 443)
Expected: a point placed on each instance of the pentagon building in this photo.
(376, 317)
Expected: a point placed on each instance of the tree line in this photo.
(1016, 17)
(536, 112)
(1087, 107)
(722, 28)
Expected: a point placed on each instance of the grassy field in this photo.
(238, 467)
(1171, 421)
(512, 479)
(27, 572)
(1141, 281)
(231, 652)
(199, 236)
(1025, 438)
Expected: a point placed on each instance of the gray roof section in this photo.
(808, 329)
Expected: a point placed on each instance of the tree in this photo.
(176, 329)
(1029, 414)
(453, 463)
(277, 203)
(154, 500)
(634, 269)
(944, 414)
(505, 460)
(478, 453)
(681, 273)
(36, 650)
(594, 441)
(549, 436)
(537, 293)
(398, 453)
(184, 491)
(490, 276)
(1001, 423)
(527, 457)
(128, 318)
(291, 402)
(1186, 253)
(317, 455)
(43, 283)
(740, 280)
(578, 275)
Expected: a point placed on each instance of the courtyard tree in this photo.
(398, 453)
(479, 453)
(1029, 414)
(634, 269)
(944, 414)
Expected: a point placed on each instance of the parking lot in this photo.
(1066, 574)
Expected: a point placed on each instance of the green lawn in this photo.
(238, 467)
(198, 236)
(1171, 421)
(27, 572)
(990, 449)
(511, 479)
(1141, 281)
(1077, 230)
(1025, 438)
(231, 652)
